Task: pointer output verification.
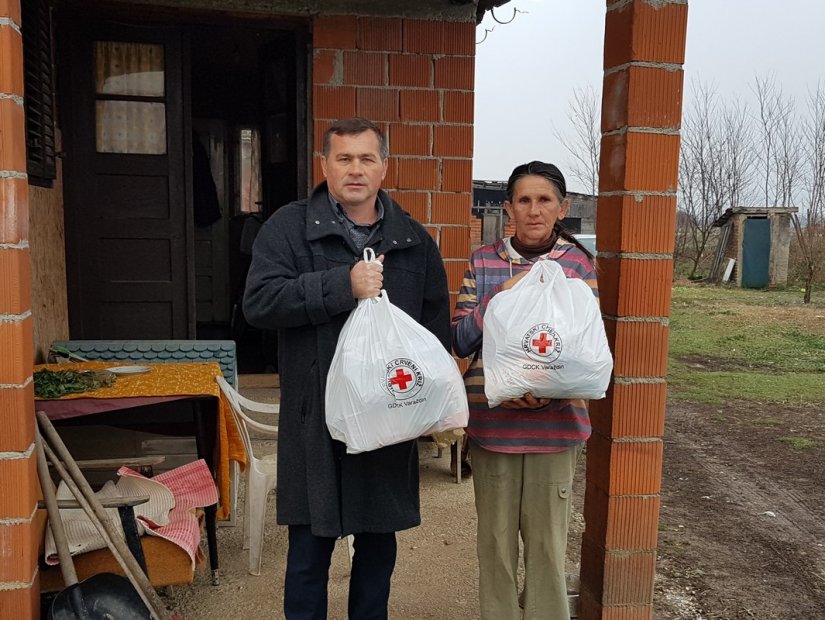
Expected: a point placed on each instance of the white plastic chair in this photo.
(261, 475)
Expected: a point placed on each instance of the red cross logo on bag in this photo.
(542, 343)
(403, 379)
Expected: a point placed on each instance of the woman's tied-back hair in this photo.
(352, 127)
(539, 169)
(556, 178)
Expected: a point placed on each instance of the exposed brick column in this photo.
(641, 113)
(19, 585)
(415, 78)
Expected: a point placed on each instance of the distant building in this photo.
(753, 246)
(490, 221)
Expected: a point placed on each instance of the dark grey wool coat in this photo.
(299, 284)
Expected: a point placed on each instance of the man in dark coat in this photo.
(306, 277)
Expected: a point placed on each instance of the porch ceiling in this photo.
(451, 10)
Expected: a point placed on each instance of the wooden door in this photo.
(127, 212)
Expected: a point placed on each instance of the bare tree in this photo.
(787, 157)
(739, 156)
(775, 117)
(793, 156)
(714, 168)
(695, 182)
(766, 110)
(584, 114)
(810, 228)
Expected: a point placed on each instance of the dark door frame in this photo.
(105, 22)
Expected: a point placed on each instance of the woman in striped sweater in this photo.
(524, 451)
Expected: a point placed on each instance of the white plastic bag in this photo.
(390, 380)
(545, 336)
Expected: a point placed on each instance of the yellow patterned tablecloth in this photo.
(174, 379)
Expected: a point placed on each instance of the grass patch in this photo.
(794, 389)
(798, 443)
(730, 343)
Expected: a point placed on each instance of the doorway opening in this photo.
(244, 103)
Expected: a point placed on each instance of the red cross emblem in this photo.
(401, 378)
(542, 343)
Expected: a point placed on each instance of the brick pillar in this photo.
(641, 112)
(415, 79)
(19, 585)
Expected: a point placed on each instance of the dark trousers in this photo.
(307, 573)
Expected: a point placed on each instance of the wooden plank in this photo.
(106, 502)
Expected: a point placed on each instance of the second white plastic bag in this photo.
(390, 380)
(545, 336)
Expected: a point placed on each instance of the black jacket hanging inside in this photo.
(205, 203)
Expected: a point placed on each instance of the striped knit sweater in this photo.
(554, 428)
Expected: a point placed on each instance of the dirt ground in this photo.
(742, 524)
(742, 531)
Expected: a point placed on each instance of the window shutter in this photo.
(39, 92)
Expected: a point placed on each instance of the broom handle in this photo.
(55, 522)
(105, 532)
(91, 505)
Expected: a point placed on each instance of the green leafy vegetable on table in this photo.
(57, 383)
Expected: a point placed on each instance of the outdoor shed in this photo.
(758, 241)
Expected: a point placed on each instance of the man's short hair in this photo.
(353, 127)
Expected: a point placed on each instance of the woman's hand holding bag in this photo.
(545, 336)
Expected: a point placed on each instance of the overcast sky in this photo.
(526, 70)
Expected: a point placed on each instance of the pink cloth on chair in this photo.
(169, 513)
(192, 487)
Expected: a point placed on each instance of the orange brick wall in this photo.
(415, 79)
(636, 220)
(19, 587)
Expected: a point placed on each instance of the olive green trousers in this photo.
(527, 495)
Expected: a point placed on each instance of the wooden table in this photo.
(128, 402)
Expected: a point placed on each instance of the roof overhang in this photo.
(440, 10)
(751, 211)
